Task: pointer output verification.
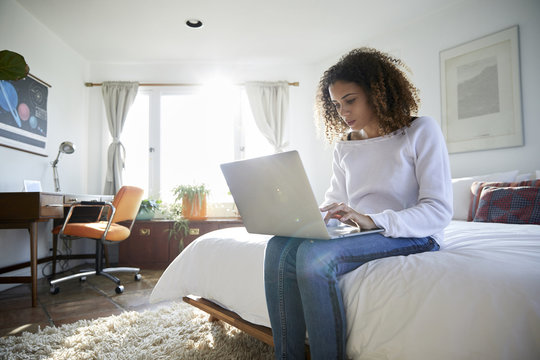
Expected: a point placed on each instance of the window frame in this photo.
(155, 95)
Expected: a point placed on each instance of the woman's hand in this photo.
(348, 216)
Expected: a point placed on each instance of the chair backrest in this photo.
(127, 202)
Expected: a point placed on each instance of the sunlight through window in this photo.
(181, 136)
(197, 135)
(135, 140)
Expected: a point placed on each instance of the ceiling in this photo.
(237, 31)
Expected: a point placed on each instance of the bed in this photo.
(477, 298)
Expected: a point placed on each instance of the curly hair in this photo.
(392, 97)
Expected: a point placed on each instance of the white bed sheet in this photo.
(477, 298)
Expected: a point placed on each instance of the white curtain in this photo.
(269, 102)
(118, 97)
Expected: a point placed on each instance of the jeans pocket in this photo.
(434, 246)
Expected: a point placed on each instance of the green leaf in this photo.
(12, 66)
(150, 205)
(190, 191)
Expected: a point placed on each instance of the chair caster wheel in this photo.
(138, 277)
(54, 290)
(82, 279)
(119, 289)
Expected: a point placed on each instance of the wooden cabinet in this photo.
(149, 247)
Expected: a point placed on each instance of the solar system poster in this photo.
(23, 115)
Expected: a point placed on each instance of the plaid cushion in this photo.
(477, 186)
(510, 205)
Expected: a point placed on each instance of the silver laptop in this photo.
(274, 197)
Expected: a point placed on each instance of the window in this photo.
(182, 135)
(135, 140)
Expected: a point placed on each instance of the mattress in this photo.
(476, 298)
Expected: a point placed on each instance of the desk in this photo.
(24, 210)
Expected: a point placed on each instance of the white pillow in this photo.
(538, 174)
(462, 190)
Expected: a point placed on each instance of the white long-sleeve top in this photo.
(401, 180)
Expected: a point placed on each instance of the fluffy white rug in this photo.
(178, 331)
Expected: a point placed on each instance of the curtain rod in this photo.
(89, 84)
(38, 79)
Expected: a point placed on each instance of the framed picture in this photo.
(23, 114)
(481, 99)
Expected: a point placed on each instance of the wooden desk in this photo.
(24, 210)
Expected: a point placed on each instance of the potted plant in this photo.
(179, 231)
(193, 199)
(12, 66)
(180, 228)
(147, 209)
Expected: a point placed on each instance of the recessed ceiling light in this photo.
(194, 23)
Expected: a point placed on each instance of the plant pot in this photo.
(195, 208)
(145, 214)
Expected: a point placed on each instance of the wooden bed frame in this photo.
(217, 313)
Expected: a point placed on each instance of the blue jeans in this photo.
(301, 285)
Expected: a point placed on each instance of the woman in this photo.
(390, 170)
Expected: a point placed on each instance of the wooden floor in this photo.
(76, 300)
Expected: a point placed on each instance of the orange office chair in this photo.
(121, 215)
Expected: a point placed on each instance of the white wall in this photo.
(57, 64)
(419, 45)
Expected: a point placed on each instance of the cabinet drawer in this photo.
(198, 228)
(51, 205)
(147, 246)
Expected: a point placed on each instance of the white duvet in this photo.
(476, 298)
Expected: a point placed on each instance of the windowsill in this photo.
(222, 210)
(208, 218)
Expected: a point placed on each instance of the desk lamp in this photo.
(66, 147)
